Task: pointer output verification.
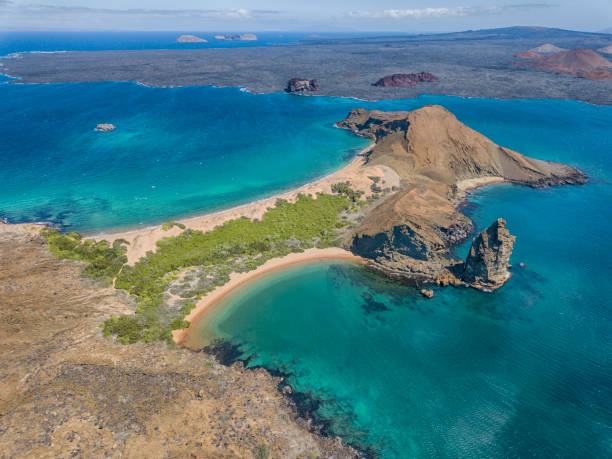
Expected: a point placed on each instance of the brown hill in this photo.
(436, 157)
(527, 55)
(572, 61)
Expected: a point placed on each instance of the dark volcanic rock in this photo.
(486, 267)
(301, 85)
(404, 80)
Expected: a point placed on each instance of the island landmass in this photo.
(477, 63)
(190, 39)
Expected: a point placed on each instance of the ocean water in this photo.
(525, 371)
(175, 152)
(179, 152)
(46, 41)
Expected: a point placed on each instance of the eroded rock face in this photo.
(299, 85)
(436, 157)
(404, 80)
(486, 267)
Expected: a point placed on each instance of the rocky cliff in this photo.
(299, 85)
(486, 266)
(404, 80)
(437, 157)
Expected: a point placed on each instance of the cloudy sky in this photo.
(310, 15)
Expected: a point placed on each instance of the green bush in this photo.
(103, 261)
(169, 225)
(237, 245)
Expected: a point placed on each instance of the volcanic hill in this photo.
(436, 157)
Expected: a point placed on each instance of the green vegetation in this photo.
(344, 189)
(169, 225)
(261, 451)
(237, 245)
(103, 261)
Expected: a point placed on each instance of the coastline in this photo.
(357, 172)
(239, 279)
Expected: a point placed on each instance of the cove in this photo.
(524, 371)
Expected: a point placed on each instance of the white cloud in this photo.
(444, 11)
(411, 13)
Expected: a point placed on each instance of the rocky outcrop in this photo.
(486, 267)
(105, 127)
(190, 39)
(436, 156)
(404, 80)
(300, 85)
(429, 294)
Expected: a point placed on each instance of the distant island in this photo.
(190, 39)
(237, 37)
(467, 64)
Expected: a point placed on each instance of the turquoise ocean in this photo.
(522, 372)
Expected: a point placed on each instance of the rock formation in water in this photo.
(404, 80)
(190, 39)
(300, 85)
(436, 156)
(486, 266)
(105, 127)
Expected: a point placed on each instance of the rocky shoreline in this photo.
(409, 233)
(68, 391)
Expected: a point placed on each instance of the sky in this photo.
(407, 16)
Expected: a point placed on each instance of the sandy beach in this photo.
(238, 279)
(357, 172)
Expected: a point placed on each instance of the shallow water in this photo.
(521, 372)
(175, 152)
(179, 152)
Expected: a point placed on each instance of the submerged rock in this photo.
(486, 267)
(427, 293)
(301, 85)
(105, 127)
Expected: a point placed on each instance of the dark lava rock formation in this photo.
(300, 85)
(409, 233)
(486, 266)
(404, 80)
